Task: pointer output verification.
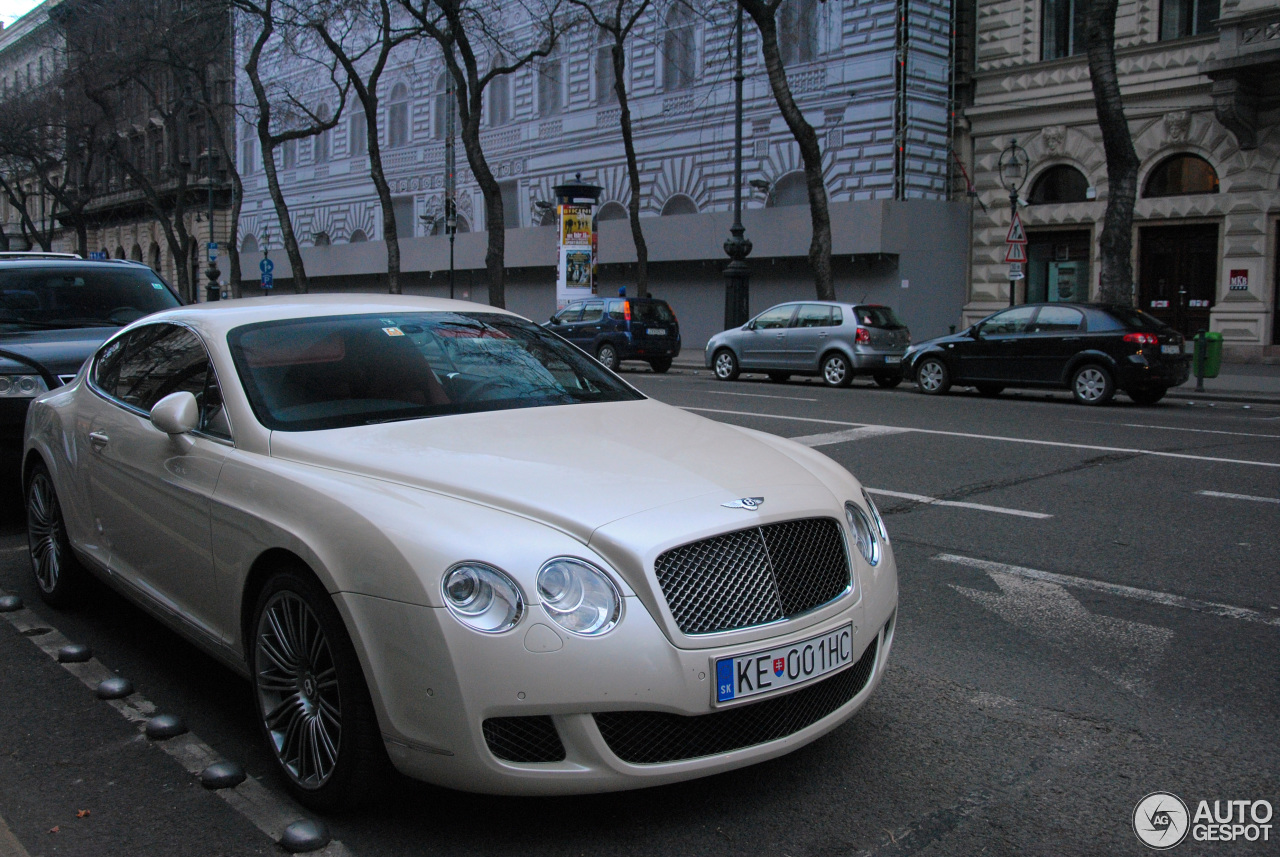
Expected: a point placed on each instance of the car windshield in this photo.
(651, 312)
(1139, 320)
(89, 296)
(336, 371)
(878, 316)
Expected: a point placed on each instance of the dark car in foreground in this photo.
(1090, 349)
(833, 340)
(617, 329)
(55, 310)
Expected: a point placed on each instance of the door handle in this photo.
(98, 439)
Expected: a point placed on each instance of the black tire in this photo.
(1092, 384)
(1147, 396)
(607, 354)
(660, 364)
(989, 390)
(779, 377)
(324, 690)
(888, 380)
(724, 365)
(836, 371)
(932, 377)
(58, 574)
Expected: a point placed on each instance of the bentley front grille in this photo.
(754, 576)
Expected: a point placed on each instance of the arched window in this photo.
(498, 95)
(606, 93)
(358, 237)
(791, 189)
(320, 239)
(398, 117)
(155, 256)
(798, 31)
(1060, 183)
(678, 49)
(358, 132)
(135, 253)
(440, 122)
(247, 247)
(679, 204)
(320, 146)
(612, 211)
(119, 252)
(1182, 174)
(288, 154)
(550, 84)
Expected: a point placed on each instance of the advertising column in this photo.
(574, 278)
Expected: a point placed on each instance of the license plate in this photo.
(893, 360)
(771, 670)
(656, 331)
(1170, 349)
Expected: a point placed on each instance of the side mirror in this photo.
(176, 413)
(974, 332)
(751, 325)
(554, 320)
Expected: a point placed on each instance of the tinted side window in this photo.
(813, 315)
(593, 311)
(1055, 319)
(616, 311)
(776, 317)
(1009, 321)
(573, 312)
(837, 316)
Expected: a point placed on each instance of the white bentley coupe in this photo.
(431, 533)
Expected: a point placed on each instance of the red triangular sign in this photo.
(1016, 253)
(1017, 235)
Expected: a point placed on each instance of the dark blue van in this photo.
(617, 329)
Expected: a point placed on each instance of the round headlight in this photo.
(482, 597)
(875, 516)
(579, 598)
(863, 533)
(5, 384)
(27, 384)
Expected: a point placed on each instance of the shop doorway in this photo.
(1178, 274)
(1058, 266)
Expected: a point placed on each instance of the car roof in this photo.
(62, 260)
(218, 317)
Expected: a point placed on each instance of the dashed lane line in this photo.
(758, 396)
(266, 810)
(1002, 439)
(1227, 496)
(1150, 596)
(934, 501)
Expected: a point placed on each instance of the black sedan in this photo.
(1090, 349)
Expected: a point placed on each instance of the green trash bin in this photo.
(1207, 357)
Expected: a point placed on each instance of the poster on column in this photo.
(575, 261)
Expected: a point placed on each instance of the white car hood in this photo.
(574, 467)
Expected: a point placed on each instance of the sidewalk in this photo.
(1237, 382)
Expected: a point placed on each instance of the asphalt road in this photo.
(1081, 625)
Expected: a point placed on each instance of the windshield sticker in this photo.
(387, 321)
(393, 331)
(159, 286)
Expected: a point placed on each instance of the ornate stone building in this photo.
(1201, 86)
(872, 77)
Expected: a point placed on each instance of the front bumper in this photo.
(435, 683)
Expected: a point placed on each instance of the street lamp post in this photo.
(1013, 173)
(450, 175)
(737, 274)
(212, 290)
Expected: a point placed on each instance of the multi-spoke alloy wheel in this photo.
(835, 371)
(725, 365)
(932, 377)
(54, 565)
(1092, 385)
(298, 692)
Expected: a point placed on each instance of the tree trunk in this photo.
(494, 216)
(233, 234)
(390, 229)
(633, 169)
(810, 152)
(1116, 241)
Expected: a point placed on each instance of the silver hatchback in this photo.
(835, 341)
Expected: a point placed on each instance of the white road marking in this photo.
(1200, 431)
(758, 396)
(1056, 443)
(934, 501)
(9, 844)
(269, 812)
(847, 435)
(1165, 599)
(1240, 496)
(1120, 650)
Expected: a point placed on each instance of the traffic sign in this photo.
(268, 281)
(1016, 253)
(1017, 235)
(98, 255)
(213, 251)
(266, 266)
(1015, 271)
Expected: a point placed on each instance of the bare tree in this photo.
(618, 19)
(296, 118)
(1116, 240)
(765, 15)
(471, 35)
(370, 33)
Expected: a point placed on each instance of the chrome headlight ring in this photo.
(864, 533)
(579, 597)
(482, 597)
